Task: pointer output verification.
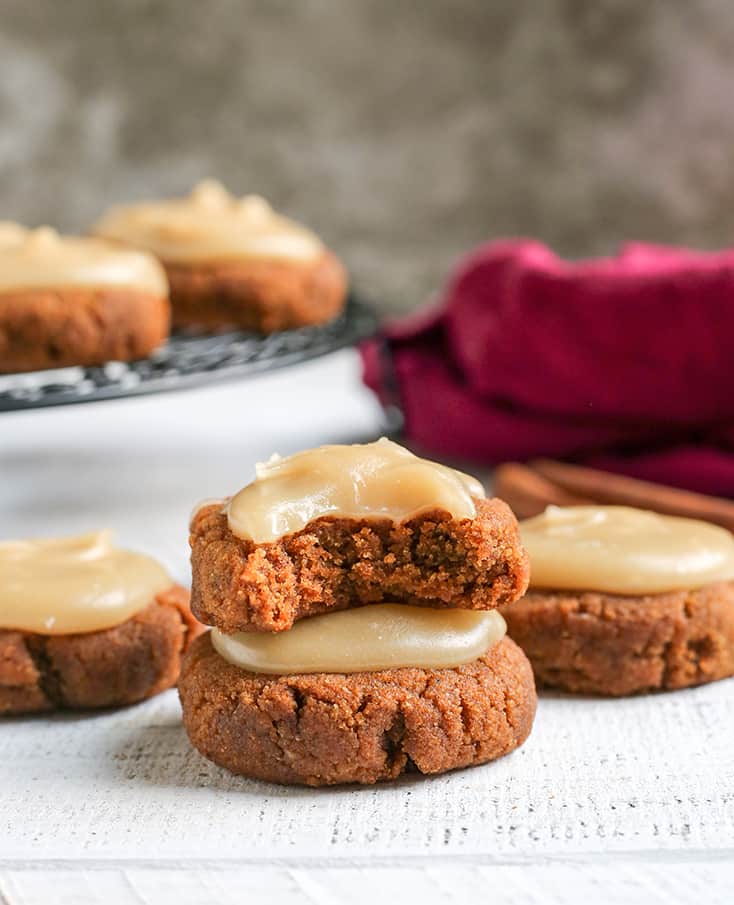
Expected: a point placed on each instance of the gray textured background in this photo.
(403, 131)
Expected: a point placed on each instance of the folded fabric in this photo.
(626, 363)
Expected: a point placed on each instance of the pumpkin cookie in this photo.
(326, 728)
(75, 301)
(624, 601)
(397, 528)
(87, 625)
(233, 262)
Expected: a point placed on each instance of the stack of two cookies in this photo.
(353, 590)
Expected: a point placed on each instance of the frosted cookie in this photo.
(354, 593)
(343, 526)
(233, 262)
(625, 601)
(346, 726)
(85, 624)
(76, 301)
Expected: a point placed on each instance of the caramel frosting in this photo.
(210, 225)
(41, 258)
(367, 639)
(620, 550)
(74, 584)
(373, 480)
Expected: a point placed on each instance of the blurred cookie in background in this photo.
(233, 262)
(66, 300)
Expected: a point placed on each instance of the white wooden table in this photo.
(608, 801)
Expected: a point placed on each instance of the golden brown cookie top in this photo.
(43, 259)
(210, 225)
(74, 584)
(621, 550)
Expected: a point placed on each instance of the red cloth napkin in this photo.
(624, 363)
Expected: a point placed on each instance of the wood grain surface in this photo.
(619, 883)
(646, 775)
(609, 801)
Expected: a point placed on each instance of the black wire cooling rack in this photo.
(186, 361)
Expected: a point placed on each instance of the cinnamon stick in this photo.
(614, 489)
(528, 493)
